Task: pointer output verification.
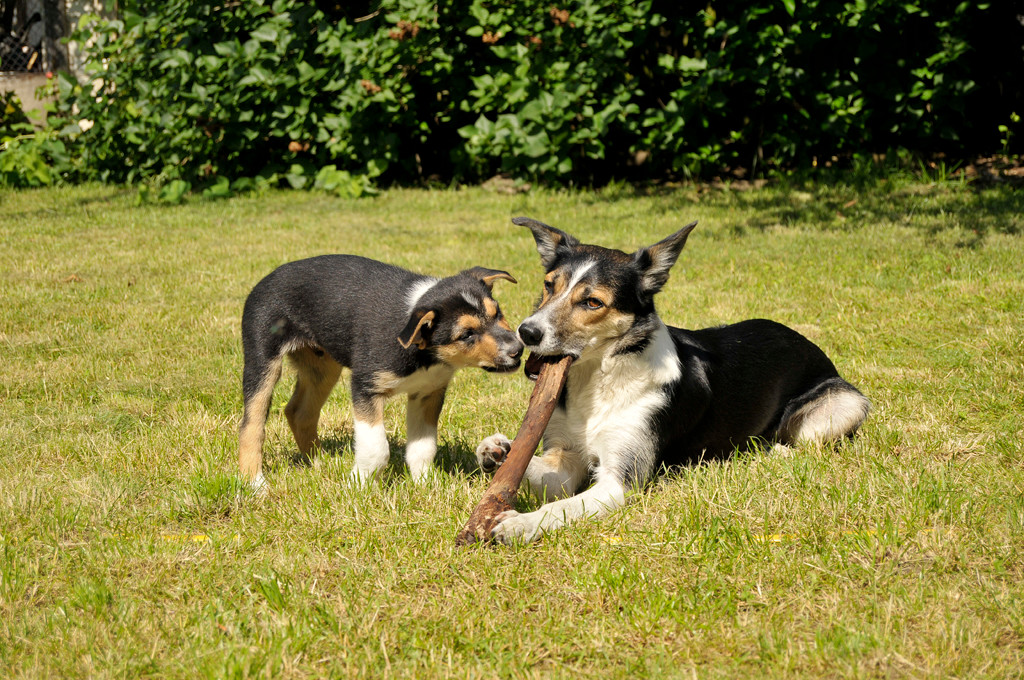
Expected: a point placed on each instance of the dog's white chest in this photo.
(609, 404)
(607, 418)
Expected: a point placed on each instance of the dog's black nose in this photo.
(531, 335)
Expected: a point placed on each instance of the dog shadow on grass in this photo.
(454, 457)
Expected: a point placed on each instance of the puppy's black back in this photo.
(736, 381)
(344, 304)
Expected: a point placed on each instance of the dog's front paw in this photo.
(491, 452)
(513, 526)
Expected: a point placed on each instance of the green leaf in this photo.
(267, 33)
(221, 188)
(174, 191)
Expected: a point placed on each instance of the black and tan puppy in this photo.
(398, 332)
(641, 395)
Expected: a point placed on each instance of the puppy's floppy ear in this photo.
(551, 242)
(417, 331)
(489, 276)
(655, 261)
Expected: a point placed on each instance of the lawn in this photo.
(127, 551)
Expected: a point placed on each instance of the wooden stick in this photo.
(501, 494)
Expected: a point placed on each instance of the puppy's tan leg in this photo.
(317, 375)
(421, 428)
(252, 431)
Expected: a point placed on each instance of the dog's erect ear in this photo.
(417, 331)
(655, 261)
(551, 242)
(489, 276)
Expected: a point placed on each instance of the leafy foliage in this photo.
(317, 95)
(29, 157)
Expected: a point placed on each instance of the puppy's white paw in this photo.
(513, 526)
(360, 476)
(491, 452)
(259, 487)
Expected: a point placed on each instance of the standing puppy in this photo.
(398, 331)
(641, 395)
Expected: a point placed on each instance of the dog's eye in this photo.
(593, 303)
(549, 287)
(466, 336)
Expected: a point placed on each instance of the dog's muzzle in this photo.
(508, 359)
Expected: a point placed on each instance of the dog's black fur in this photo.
(398, 332)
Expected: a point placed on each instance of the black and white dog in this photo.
(641, 395)
(398, 331)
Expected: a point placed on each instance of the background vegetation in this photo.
(221, 96)
(126, 551)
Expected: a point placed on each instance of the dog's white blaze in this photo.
(417, 291)
(542, 317)
(577, 276)
(371, 449)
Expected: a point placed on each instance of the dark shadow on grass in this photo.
(454, 457)
(848, 203)
(105, 196)
(457, 457)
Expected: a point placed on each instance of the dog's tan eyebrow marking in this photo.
(490, 308)
(587, 291)
(603, 295)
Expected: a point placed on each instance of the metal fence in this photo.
(30, 34)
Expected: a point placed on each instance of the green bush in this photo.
(30, 158)
(222, 96)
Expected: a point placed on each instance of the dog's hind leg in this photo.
(421, 418)
(258, 380)
(830, 411)
(317, 375)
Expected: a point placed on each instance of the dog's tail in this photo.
(829, 411)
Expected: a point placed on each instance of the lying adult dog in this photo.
(398, 331)
(641, 395)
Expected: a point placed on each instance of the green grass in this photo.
(126, 550)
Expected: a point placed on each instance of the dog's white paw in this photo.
(513, 526)
(362, 476)
(491, 452)
(259, 487)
